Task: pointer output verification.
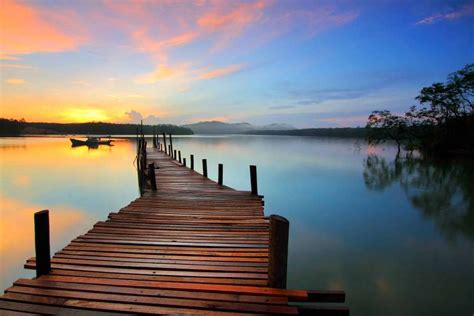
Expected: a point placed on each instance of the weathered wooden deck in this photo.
(190, 247)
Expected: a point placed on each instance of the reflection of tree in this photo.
(443, 191)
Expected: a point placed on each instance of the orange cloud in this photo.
(15, 81)
(220, 72)
(162, 72)
(25, 29)
(6, 57)
(18, 66)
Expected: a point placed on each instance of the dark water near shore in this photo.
(396, 235)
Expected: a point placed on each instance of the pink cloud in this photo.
(25, 29)
(229, 24)
(220, 72)
(466, 10)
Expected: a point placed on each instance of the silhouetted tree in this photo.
(383, 125)
(444, 123)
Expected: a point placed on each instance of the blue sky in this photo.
(306, 63)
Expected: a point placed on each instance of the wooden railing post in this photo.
(253, 179)
(42, 246)
(192, 162)
(204, 167)
(151, 176)
(179, 155)
(174, 154)
(171, 143)
(164, 143)
(278, 252)
(220, 173)
(184, 162)
(169, 150)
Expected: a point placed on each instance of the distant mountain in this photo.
(216, 127)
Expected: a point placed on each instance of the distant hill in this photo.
(216, 127)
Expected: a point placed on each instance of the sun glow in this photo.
(78, 115)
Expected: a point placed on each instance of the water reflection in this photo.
(442, 190)
(78, 185)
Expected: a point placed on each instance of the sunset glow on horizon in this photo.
(305, 63)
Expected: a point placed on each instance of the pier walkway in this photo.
(192, 246)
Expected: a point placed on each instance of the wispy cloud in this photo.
(15, 81)
(25, 29)
(454, 14)
(229, 24)
(161, 72)
(82, 83)
(16, 66)
(7, 57)
(220, 72)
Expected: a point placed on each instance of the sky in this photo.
(304, 63)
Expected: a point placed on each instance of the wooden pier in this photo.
(188, 245)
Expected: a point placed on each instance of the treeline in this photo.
(11, 127)
(15, 127)
(442, 124)
(344, 132)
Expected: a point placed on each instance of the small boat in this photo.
(90, 141)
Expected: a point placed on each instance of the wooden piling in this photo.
(164, 142)
(169, 150)
(42, 246)
(192, 162)
(220, 174)
(174, 154)
(253, 179)
(151, 176)
(204, 167)
(278, 251)
(184, 162)
(171, 143)
(179, 156)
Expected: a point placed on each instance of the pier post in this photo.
(171, 144)
(220, 173)
(184, 162)
(151, 176)
(42, 246)
(169, 150)
(204, 167)
(164, 143)
(179, 155)
(192, 162)
(278, 252)
(174, 154)
(253, 179)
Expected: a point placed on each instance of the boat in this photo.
(90, 141)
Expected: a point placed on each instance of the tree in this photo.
(442, 124)
(452, 100)
(383, 125)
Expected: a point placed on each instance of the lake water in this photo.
(396, 235)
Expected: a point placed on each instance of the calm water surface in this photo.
(396, 235)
